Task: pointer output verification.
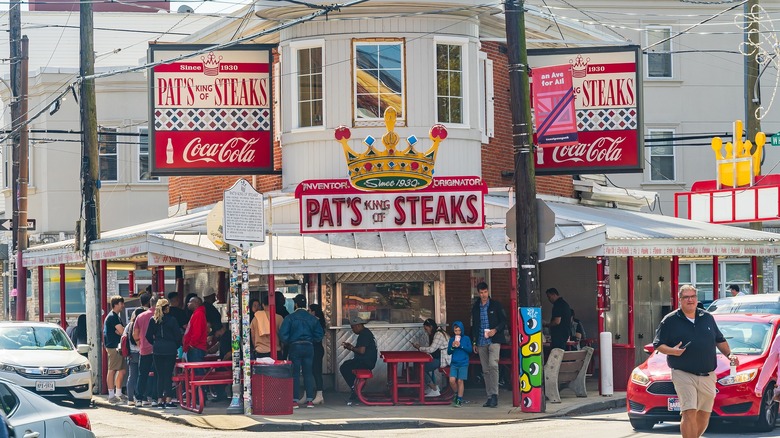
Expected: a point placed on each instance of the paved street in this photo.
(107, 423)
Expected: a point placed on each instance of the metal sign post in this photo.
(243, 225)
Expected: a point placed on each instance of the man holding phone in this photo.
(688, 337)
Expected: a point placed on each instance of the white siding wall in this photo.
(314, 153)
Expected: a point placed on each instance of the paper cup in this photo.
(487, 333)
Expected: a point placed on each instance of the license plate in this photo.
(44, 386)
(673, 404)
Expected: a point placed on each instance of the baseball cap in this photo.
(355, 320)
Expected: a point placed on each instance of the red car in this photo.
(651, 397)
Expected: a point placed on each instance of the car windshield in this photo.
(735, 306)
(751, 338)
(34, 338)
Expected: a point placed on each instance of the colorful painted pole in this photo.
(245, 347)
(235, 402)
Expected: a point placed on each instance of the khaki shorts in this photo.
(115, 360)
(695, 392)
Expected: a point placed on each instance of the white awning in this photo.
(566, 230)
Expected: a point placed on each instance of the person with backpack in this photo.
(132, 355)
(437, 348)
(165, 336)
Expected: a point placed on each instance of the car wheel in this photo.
(641, 424)
(767, 412)
(82, 403)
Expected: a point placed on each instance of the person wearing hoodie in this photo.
(460, 350)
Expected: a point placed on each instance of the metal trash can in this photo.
(272, 388)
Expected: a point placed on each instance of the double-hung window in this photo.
(144, 173)
(449, 83)
(659, 54)
(378, 82)
(307, 63)
(661, 151)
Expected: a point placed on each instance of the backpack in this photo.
(124, 345)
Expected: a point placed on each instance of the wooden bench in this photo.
(566, 368)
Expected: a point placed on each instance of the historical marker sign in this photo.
(244, 219)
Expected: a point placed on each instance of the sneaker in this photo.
(146, 403)
(456, 403)
(295, 404)
(172, 405)
(309, 404)
(138, 403)
(122, 397)
(432, 392)
(155, 404)
(114, 400)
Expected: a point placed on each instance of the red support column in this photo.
(272, 316)
(40, 293)
(675, 282)
(715, 277)
(630, 263)
(514, 331)
(131, 283)
(754, 274)
(602, 280)
(161, 281)
(104, 305)
(62, 295)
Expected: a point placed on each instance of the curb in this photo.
(601, 405)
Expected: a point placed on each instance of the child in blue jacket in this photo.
(460, 349)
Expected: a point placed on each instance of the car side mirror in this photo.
(83, 348)
(649, 348)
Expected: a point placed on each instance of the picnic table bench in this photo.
(566, 368)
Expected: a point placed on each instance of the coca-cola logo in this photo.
(602, 150)
(235, 150)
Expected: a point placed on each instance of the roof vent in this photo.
(184, 9)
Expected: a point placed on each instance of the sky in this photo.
(210, 6)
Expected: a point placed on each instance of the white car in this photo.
(40, 357)
(33, 416)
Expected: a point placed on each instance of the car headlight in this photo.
(740, 377)
(7, 368)
(638, 377)
(79, 368)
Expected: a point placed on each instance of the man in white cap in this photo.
(365, 354)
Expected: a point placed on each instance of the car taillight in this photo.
(81, 420)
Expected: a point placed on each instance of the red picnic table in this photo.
(412, 376)
(218, 372)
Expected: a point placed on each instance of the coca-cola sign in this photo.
(211, 113)
(607, 84)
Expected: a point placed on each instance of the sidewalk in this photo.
(336, 415)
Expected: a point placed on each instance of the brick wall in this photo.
(497, 155)
(458, 293)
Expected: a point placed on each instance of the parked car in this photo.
(651, 397)
(31, 415)
(39, 356)
(760, 303)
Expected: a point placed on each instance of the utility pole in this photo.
(525, 178)
(19, 152)
(20, 226)
(753, 99)
(90, 194)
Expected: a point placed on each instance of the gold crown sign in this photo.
(391, 168)
(737, 167)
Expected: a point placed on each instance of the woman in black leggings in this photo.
(319, 354)
(165, 335)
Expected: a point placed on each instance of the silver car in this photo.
(33, 416)
(760, 303)
(40, 357)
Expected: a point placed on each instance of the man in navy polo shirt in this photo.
(688, 337)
